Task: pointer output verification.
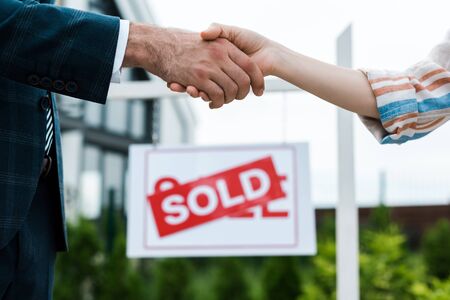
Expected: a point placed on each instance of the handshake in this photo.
(223, 62)
(219, 65)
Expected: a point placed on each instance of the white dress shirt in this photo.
(120, 50)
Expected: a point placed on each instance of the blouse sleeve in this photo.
(412, 103)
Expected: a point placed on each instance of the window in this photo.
(93, 114)
(116, 117)
(91, 183)
(137, 119)
(114, 174)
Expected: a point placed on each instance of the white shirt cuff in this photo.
(120, 50)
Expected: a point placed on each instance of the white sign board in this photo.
(220, 201)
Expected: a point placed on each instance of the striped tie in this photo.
(49, 129)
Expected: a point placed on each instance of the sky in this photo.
(386, 35)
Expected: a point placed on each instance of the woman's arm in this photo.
(344, 87)
(395, 106)
(401, 106)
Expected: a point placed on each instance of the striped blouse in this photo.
(412, 103)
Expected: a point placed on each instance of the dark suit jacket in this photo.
(44, 48)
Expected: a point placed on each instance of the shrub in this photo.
(87, 272)
(380, 218)
(436, 249)
(436, 290)
(119, 279)
(77, 272)
(324, 274)
(319, 272)
(387, 270)
(280, 278)
(172, 279)
(229, 280)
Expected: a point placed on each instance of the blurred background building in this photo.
(96, 137)
(403, 248)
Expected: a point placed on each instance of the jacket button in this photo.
(45, 103)
(34, 80)
(59, 85)
(71, 87)
(46, 82)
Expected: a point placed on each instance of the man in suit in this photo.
(46, 49)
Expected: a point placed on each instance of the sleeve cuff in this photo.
(120, 50)
(397, 107)
(411, 104)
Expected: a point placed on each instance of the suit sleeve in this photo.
(58, 49)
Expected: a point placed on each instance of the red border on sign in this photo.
(256, 246)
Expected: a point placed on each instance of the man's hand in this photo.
(259, 48)
(218, 68)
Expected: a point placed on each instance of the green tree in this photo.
(280, 278)
(387, 269)
(230, 281)
(172, 278)
(380, 218)
(436, 249)
(436, 290)
(321, 282)
(119, 279)
(324, 269)
(76, 274)
(326, 228)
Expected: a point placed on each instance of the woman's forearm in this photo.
(346, 88)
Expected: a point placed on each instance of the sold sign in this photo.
(177, 207)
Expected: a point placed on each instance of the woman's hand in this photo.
(260, 49)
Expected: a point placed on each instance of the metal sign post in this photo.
(346, 210)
